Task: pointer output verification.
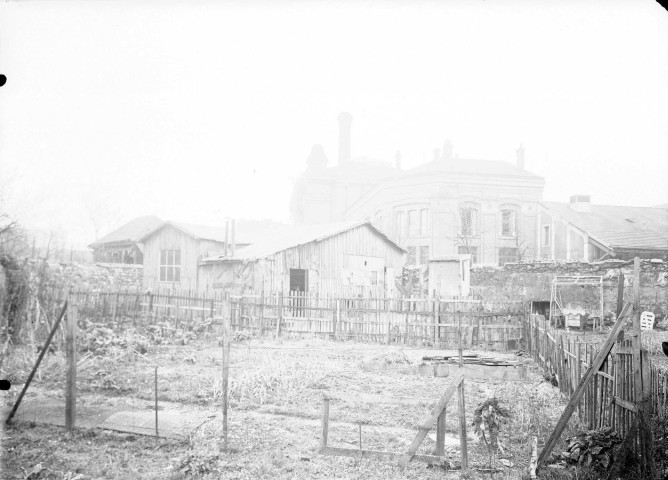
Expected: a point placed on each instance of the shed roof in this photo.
(641, 228)
(131, 232)
(246, 231)
(295, 236)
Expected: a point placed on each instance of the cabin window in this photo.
(509, 223)
(467, 249)
(545, 237)
(170, 265)
(469, 221)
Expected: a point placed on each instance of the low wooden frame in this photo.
(437, 417)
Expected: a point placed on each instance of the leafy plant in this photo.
(487, 420)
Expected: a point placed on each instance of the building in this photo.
(124, 245)
(449, 206)
(579, 230)
(344, 258)
(449, 276)
(324, 192)
(173, 250)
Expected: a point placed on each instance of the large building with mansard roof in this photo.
(450, 205)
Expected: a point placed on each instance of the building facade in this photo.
(449, 206)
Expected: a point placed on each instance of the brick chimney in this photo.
(581, 203)
(520, 157)
(345, 121)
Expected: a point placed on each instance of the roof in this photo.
(295, 236)
(621, 228)
(246, 231)
(131, 232)
(475, 166)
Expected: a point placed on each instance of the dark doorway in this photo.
(540, 308)
(298, 283)
(298, 279)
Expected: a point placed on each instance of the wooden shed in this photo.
(345, 258)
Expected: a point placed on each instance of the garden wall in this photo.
(532, 282)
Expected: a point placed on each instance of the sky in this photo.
(200, 110)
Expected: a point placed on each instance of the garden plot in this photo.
(276, 395)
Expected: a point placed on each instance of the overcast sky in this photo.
(199, 110)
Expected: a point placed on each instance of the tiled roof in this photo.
(619, 227)
(294, 236)
(131, 232)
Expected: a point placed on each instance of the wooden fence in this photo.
(415, 321)
(609, 400)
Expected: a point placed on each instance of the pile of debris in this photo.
(472, 359)
(593, 448)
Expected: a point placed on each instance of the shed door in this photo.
(298, 279)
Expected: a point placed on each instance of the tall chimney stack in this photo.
(345, 121)
(520, 157)
(447, 151)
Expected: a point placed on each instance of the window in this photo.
(170, 265)
(508, 223)
(413, 223)
(424, 222)
(469, 221)
(399, 224)
(424, 255)
(507, 255)
(545, 236)
(473, 251)
(373, 277)
(411, 260)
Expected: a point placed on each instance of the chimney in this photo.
(227, 235)
(581, 203)
(345, 121)
(447, 151)
(232, 235)
(520, 157)
(397, 160)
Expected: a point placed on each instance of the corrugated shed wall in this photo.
(329, 262)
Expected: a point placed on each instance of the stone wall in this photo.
(532, 281)
(95, 277)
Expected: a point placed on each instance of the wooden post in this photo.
(462, 427)
(71, 374)
(226, 366)
(436, 328)
(325, 423)
(337, 317)
(459, 328)
(156, 401)
(279, 320)
(440, 435)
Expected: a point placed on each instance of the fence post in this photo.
(71, 374)
(280, 314)
(462, 427)
(226, 312)
(337, 318)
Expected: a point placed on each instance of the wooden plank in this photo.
(624, 404)
(71, 367)
(440, 435)
(429, 423)
(54, 329)
(379, 455)
(584, 383)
